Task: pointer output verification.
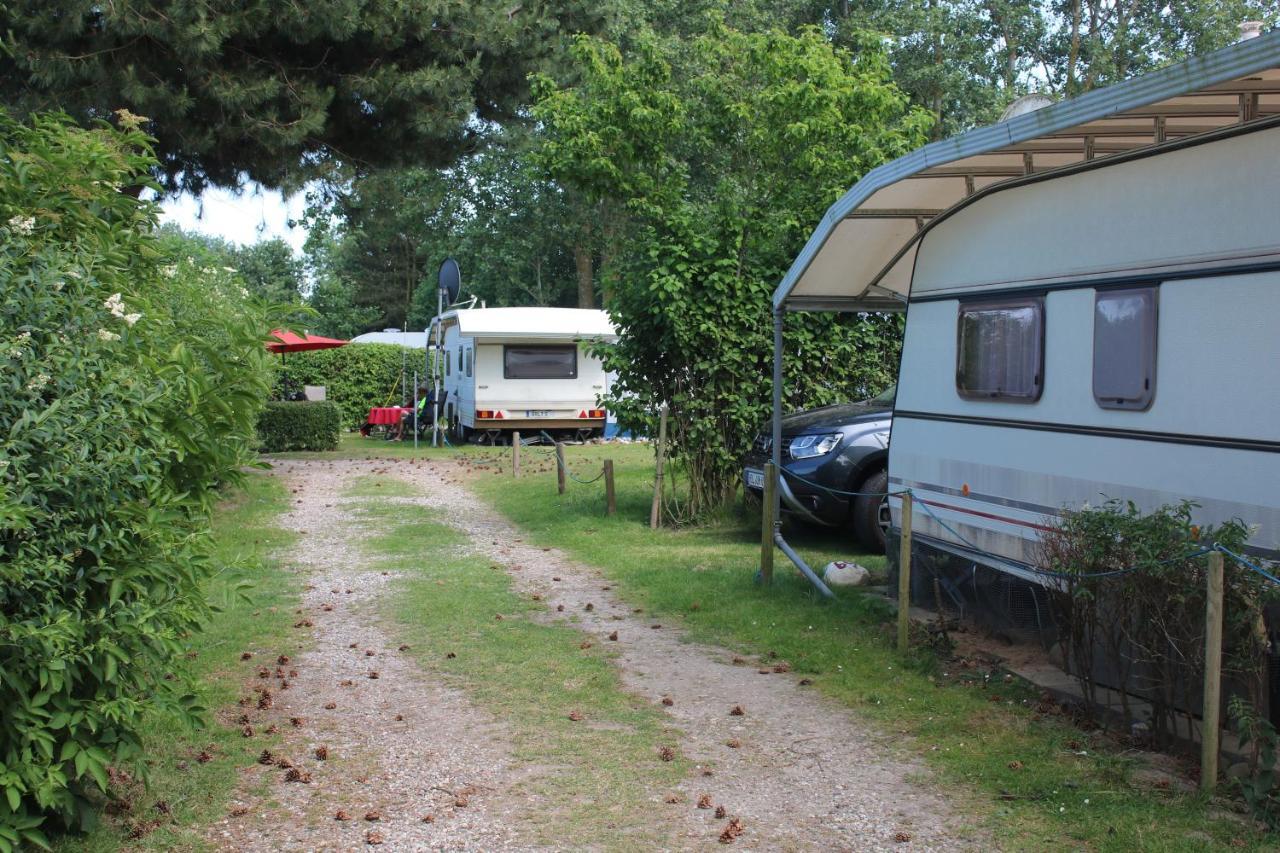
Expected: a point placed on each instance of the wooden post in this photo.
(560, 467)
(1212, 675)
(515, 453)
(610, 499)
(655, 513)
(904, 573)
(767, 501)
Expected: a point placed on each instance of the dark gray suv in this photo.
(843, 447)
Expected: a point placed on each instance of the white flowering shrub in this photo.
(130, 383)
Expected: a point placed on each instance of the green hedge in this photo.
(357, 377)
(131, 376)
(298, 426)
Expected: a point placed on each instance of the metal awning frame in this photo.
(1081, 125)
(1088, 126)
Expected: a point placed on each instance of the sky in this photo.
(243, 217)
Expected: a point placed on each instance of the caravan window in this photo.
(1000, 351)
(469, 358)
(1124, 348)
(545, 362)
(447, 362)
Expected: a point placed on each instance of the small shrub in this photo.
(1147, 620)
(357, 377)
(1260, 789)
(298, 426)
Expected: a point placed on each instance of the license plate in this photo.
(755, 479)
(538, 413)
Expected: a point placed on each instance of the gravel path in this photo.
(800, 772)
(805, 775)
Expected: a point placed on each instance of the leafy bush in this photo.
(1260, 789)
(298, 426)
(129, 388)
(1135, 594)
(357, 377)
(712, 161)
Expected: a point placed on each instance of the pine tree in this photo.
(274, 91)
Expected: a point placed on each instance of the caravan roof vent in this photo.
(1026, 104)
(392, 329)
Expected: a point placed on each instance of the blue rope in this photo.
(796, 476)
(1242, 561)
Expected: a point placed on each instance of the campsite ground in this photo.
(512, 723)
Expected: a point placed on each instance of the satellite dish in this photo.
(1026, 104)
(450, 280)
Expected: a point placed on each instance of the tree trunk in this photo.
(1074, 55)
(586, 280)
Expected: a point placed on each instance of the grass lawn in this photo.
(1037, 780)
(601, 774)
(186, 793)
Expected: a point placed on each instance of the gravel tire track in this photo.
(399, 744)
(807, 774)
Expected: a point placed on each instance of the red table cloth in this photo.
(385, 415)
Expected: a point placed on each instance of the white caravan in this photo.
(526, 369)
(1093, 312)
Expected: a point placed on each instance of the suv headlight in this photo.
(808, 446)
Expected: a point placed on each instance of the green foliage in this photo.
(274, 91)
(357, 377)
(724, 158)
(289, 425)
(270, 270)
(130, 387)
(1261, 788)
(1148, 618)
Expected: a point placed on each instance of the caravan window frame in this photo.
(1147, 336)
(509, 348)
(987, 305)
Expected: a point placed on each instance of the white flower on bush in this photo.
(115, 305)
(170, 271)
(22, 224)
(132, 318)
(104, 335)
(38, 381)
(19, 341)
(58, 285)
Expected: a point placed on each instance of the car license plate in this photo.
(538, 413)
(755, 479)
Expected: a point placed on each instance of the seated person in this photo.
(426, 399)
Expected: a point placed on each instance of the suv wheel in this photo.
(871, 512)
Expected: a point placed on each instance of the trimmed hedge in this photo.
(357, 377)
(298, 426)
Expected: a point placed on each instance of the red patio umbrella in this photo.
(286, 341)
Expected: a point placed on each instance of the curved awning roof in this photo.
(861, 255)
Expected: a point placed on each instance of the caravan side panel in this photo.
(996, 473)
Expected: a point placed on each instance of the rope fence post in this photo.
(610, 498)
(1212, 675)
(515, 454)
(560, 467)
(767, 501)
(655, 512)
(904, 573)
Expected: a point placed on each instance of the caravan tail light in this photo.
(489, 414)
(591, 413)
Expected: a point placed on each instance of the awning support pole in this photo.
(773, 510)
